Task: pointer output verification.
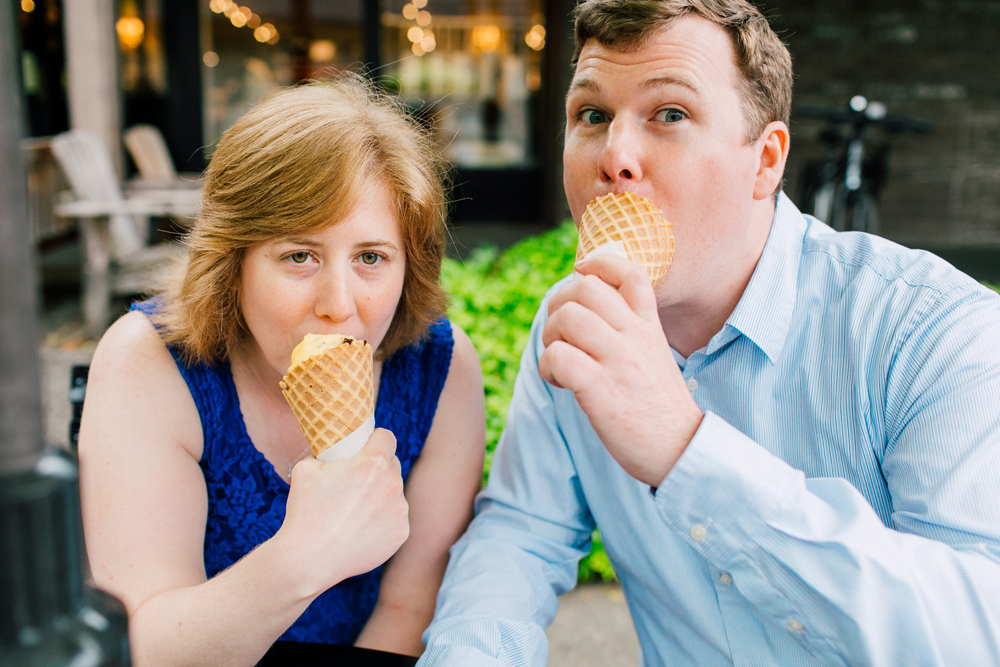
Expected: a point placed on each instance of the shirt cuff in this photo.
(723, 489)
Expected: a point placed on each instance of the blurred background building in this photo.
(489, 76)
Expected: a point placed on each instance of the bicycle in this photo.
(843, 189)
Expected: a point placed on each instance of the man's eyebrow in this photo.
(584, 84)
(655, 82)
(669, 80)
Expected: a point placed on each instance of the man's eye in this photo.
(369, 257)
(593, 117)
(670, 115)
(299, 257)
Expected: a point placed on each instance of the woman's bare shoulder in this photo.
(134, 384)
(465, 369)
(460, 417)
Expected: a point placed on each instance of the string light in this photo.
(265, 33)
(211, 59)
(27, 6)
(322, 51)
(130, 31)
(535, 38)
(423, 39)
(427, 42)
(486, 38)
(242, 17)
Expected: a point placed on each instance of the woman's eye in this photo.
(670, 115)
(369, 257)
(299, 257)
(593, 117)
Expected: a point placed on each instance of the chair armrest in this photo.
(99, 209)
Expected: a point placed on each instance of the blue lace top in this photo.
(246, 496)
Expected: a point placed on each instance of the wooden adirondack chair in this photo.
(113, 229)
(148, 149)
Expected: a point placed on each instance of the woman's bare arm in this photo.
(145, 507)
(440, 490)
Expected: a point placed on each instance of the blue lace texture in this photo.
(246, 496)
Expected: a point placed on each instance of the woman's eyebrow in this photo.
(374, 243)
(298, 240)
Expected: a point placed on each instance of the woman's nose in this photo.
(621, 155)
(335, 297)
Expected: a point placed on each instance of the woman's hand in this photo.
(346, 518)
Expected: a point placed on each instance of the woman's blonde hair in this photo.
(303, 158)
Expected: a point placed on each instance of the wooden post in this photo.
(92, 68)
(557, 75)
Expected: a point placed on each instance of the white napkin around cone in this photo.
(609, 248)
(350, 444)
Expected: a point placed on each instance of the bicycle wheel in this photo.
(840, 206)
(864, 213)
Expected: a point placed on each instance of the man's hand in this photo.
(605, 343)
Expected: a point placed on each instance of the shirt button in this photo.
(698, 532)
(725, 578)
(795, 626)
(692, 384)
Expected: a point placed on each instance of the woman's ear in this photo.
(773, 151)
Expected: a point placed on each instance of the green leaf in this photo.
(494, 298)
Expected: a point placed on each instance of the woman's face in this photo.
(345, 279)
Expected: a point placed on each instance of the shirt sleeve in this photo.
(522, 549)
(813, 555)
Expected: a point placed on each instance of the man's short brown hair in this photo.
(762, 59)
(297, 163)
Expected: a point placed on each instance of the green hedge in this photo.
(494, 299)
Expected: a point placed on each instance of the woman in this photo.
(322, 213)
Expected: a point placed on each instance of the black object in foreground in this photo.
(302, 654)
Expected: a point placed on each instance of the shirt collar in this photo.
(764, 312)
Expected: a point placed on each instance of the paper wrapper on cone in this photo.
(635, 225)
(331, 394)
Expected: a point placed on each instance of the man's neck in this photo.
(690, 325)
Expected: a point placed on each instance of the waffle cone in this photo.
(331, 393)
(637, 223)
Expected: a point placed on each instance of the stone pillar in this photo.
(20, 390)
(92, 69)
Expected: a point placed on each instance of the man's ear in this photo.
(772, 150)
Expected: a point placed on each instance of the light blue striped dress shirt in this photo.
(839, 505)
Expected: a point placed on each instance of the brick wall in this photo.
(928, 59)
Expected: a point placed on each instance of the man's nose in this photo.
(335, 296)
(620, 157)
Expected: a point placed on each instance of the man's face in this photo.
(664, 121)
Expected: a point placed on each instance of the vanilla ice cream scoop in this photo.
(329, 387)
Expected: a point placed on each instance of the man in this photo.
(791, 446)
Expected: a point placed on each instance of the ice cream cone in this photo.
(329, 387)
(636, 222)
